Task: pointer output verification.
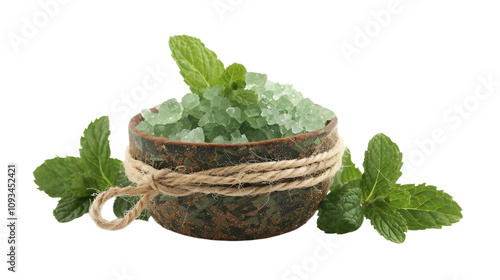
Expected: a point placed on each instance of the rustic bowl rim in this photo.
(135, 120)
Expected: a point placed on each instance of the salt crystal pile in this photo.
(280, 111)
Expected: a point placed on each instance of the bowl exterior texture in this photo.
(226, 217)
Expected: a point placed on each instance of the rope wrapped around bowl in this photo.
(247, 179)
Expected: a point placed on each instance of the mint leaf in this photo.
(54, 176)
(347, 173)
(382, 165)
(70, 208)
(233, 80)
(199, 66)
(429, 208)
(123, 204)
(234, 73)
(340, 212)
(121, 177)
(201, 69)
(398, 198)
(76, 180)
(349, 169)
(81, 186)
(244, 97)
(95, 152)
(386, 220)
(393, 209)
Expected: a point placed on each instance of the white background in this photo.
(408, 80)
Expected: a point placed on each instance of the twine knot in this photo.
(151, 181)
(239, 180)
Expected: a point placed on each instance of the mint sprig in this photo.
(393, 209)
(429, 208)
(199, 66)
(201, 69)
(382, 168)
(340, 212)
(234, 73)
(234, 83)
(386, 220)
(76, 179)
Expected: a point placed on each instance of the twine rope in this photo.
(228, 181)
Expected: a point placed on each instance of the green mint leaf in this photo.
(75, 180)
(244, 97)
(81, 186)
(382, 165)
(121, 177)
(55, 175)
(386, 220)
(123, 204)
(199, 66)
(393, 209)
(350, 171)
(95, 152)
(340, 212)
(234, 73)
(239, 84)
(429, 208)
(398, 198)
(70, 208)
(347, 173)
